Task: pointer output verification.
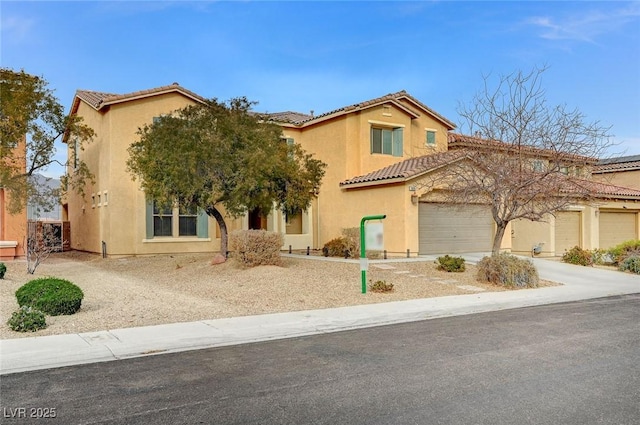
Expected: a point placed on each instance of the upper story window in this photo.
(538, 165)
(430, 139)
(386, 141)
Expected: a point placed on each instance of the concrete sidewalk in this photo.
(579, 283)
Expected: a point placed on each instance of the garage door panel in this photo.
(616, 227)
(452, 229)
(567, 231)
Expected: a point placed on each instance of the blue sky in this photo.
(320, 56)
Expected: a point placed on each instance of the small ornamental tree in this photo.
(220, 154)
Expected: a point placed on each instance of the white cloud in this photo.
(585, 25)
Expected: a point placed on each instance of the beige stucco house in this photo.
(13, 227)
(377, 152)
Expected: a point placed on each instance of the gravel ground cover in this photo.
(152, 290)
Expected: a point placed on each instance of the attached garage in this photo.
(447, 229)
(617, 227)
(567, 230)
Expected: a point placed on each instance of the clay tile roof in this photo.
(623, 163)
(407, 169)
(301, 119)
(93, 98)
(288, 117)
(462, 141)
(99, 99)
(604, 190)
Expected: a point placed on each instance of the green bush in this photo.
(256, 247)
(508, 270)
(50, 295)
(631, 264)
(3, 270)
(601, 257)
(620, 252)
(451, 264)
(577, 255)
(27, 319)
(380, 286)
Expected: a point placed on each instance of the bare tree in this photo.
(523, 158)
(42, 239)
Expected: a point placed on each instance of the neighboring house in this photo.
(377, 153)
(13, 227)
(621, 171)
(617, 225)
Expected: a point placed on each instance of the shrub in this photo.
(577, 255)
(631, 264)
(380, 286)
(508, 270)
(451, 264)
(620, 252)
(3, 270)
(349, 241)
(27, 319)
(50, 295)
(256, 247)
(336, 247)
(601, 257)
(351, 237)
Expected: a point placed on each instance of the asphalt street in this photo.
(572, 363)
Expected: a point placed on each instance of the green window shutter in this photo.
(387, 142)
(397, 142)
(376, 140)
(149, 219)
(202, 226)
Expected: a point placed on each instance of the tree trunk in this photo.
(224, 237)
(497, 239)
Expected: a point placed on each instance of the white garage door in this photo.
(446, 229)
(616, 227)
(567, 230)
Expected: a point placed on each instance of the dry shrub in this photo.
(256, 247)
(335, 248)
(349, 241)
(351, 238)
(508, 270)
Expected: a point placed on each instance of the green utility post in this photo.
(363, 255)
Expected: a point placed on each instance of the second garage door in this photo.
(616, 227)
(446, 229)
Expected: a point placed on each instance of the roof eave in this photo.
(374, 183)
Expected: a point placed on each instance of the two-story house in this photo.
(377, 152)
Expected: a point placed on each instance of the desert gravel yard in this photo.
(152, 290)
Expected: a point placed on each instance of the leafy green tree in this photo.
(30, 114)
(221, 154)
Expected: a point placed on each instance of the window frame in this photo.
(392, 144)
(433, 132)
(174, 215)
